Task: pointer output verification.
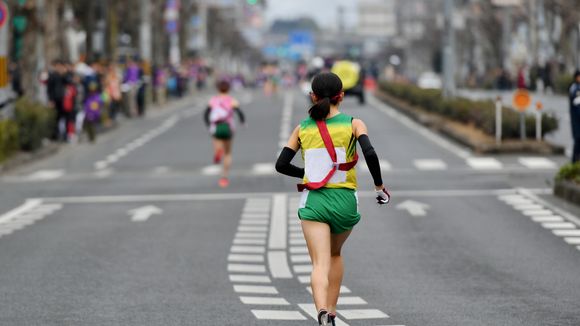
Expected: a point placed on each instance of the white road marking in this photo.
(295, 228)
(257, 289)
(246, 258)
(142, 214)
(556, 225)
(304, 279)
(251, 235)
(537, 163)
(529, 194)
(267, 301)
(297, 241)
(538, 212)
(527, 207)
(385, 165)
(278, 222)
(253, 228)
(414, 208)
(45, 175)
(161, 170)
(246, 268)
(351, 301)
(299, 250)
(101, 165)
(484, 163)
(250, 279)
(567, 233)
(285, 123)
(248, 249)
(253, 222)
(296, 235)
(211, 170)
(300, 258)
(418, 128)
(301, 269)
(430, 164)
(278, 265)
(255, 215)
(250, 241)
(310, 309)
(544, 219)
(28, 205)
(572, 240)
(362, 314)
(104, 173)
(343, 289)
(278, 315)
(263, 169)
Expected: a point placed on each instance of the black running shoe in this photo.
(331, 317)
(323, 317)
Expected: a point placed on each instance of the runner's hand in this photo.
(383, 196)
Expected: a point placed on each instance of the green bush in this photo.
(8, 139)
(35, 123)
(562, 83)
(569, 172)
(480, 114)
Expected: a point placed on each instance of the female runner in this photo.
(329, 205)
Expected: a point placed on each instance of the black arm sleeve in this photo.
(241, 115)
(371, 158)
(206, 116)
(284, 166)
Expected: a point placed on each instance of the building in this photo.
(377, 18)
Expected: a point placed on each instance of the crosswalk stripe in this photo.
(300, 241)
(246, 258)
(251, 235)
(544, 219)
(351, 301)
(253, 222)
(255, 216)
(538, 212)
(362, 314)
(258, 289)
(537, 163)
(250, 241)
(298, 250)
(343, 289)
(572, 240)
(248, 249)
(246, 268)
(563, 225)
(484, 163)
(243, 228)
(300, 269)
(278, 315)
(269, 301)
(250, 278)
(430, 164)
(567, 233)
(45, 175)
(304, 279)
(296, 235)
(527, 207)
(300, 258)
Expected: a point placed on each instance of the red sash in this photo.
(322, 128)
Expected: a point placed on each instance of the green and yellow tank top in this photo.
(317, 162)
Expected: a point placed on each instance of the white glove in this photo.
(576, 101)
(383, 196)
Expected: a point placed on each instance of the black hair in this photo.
(223, 86)
(327, 88)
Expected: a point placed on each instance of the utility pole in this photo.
(449, 51)
(145, 32)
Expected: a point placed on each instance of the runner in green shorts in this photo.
(329, 204)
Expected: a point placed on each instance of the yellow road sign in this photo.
(349, 73)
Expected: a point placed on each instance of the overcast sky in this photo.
(325, 12)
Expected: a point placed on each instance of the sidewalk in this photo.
(555, 104)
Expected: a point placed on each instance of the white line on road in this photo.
(304, 279)
(246, 268)
(572, 240)
(278, 222)
(251, 235)
(310, 309)
(302, 269)
(543, 219)
(538, 212)
(278, 315)
(559, 211)
(263, 169)
(484, 163)
(246, 258)
(250, 279)
(556, 225)
(243, 228)
(211, 170)
(430, 164)
(253, 222)
(343, 289)
(299, 250)
(45, 175)
(250, 241)
(567, 233)
(248, 249)
(257, 289)
(351, 301)
(537, 163)
(28, 205)
(362, 314)
(300, 259)
(278, 265)
(267, 301)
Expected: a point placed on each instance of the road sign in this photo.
(3, 14)
(522, 100)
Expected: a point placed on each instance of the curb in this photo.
(22, 158)
(568, 190)
(473, 138)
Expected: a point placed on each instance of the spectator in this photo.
(575, 115)
(55, 89)
(92, 109)
(113, 89)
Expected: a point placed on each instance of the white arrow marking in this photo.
(413, 207)
(142, 214)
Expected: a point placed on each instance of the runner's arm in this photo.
(240, 114)
(284, 165)
(206, 115)
(360, 132)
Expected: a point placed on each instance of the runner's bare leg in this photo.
(317, 237)
(336, 269)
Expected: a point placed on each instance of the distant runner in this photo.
(329, 205)
(219, 117)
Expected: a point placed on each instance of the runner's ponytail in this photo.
(328, 90)
(320, 109)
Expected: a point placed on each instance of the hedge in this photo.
(35, 123)
(8, 139)
(569, 172)
(480, 114)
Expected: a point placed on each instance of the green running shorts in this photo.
(337, 207)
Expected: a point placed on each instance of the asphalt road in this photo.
(134, 230)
